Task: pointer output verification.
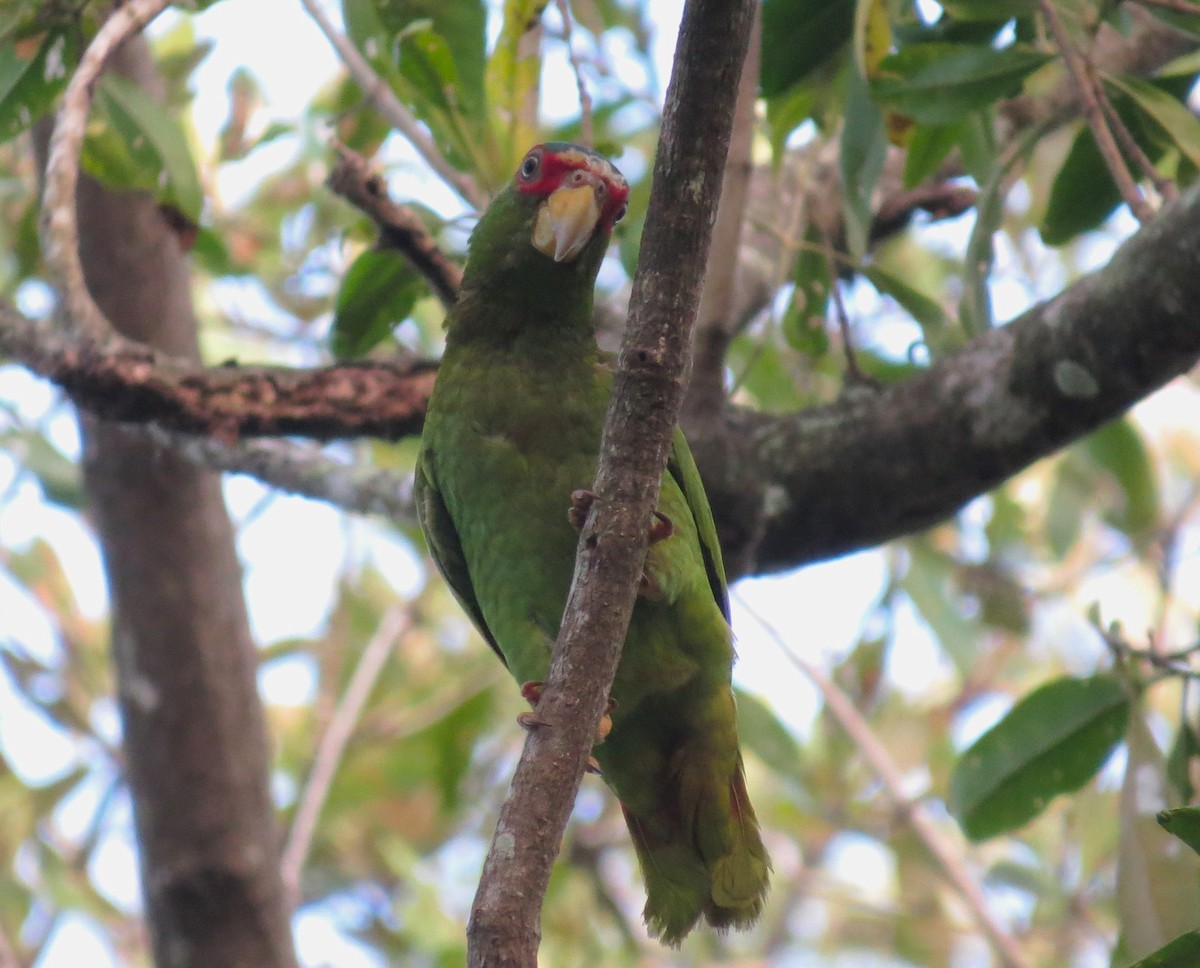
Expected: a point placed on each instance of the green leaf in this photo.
(1158, 884)
(935, 322)
(1184, 752)
(931, 584)
(58, 476)
(31, 78)
(513, 74)
(1183, 952)
(378, 292)
(135, 143)
(786, 112)
(863, 149)
(928, 145)
(799, 36)
(403, 43)
(1184, 823)
(1170, 114)
(462, 26)
(804, 321)
(763, 734)
(939, 83)
(1053, 741)
(1117, 447)
(1083, 194)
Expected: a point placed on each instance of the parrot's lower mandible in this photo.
(510, 443)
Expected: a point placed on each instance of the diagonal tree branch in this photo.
(383, 100)
(395, 623)
(1093, 100)
(877, 464)
(399, 226)
(942, 851)
(647, 396)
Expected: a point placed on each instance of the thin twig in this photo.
(1091, 97)
(399, 225)
(1167, 190)
(396, 622)
(946, 855)
(60, 224)
(8, 955)
(854, 373)
(383, 99)
(585, 97)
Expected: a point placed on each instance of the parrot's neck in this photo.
(515, 298)
(530, 324)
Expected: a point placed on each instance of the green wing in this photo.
(446, 548)
(682, 467)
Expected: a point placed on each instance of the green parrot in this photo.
(510, 441)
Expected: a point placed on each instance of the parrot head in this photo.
(578, 193)
(539, 245)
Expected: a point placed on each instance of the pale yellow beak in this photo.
(565, 222)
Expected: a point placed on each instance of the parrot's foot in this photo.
(582, 500)
(532, 691)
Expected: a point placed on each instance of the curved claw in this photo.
(661, 528)
(530, 720)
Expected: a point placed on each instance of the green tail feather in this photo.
(701, 856)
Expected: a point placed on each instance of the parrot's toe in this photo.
(581, 503)
(593, 766)
(532, 691)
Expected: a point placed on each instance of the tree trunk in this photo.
(196, 750)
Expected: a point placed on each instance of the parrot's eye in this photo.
(529, 167)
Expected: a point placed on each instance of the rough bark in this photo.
(647, 395)
(880, 463)
(124, 380)
(193, 729)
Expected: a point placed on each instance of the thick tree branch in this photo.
(878, 464)
(647, 395)
(122, 380)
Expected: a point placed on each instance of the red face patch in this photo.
(544, 170)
